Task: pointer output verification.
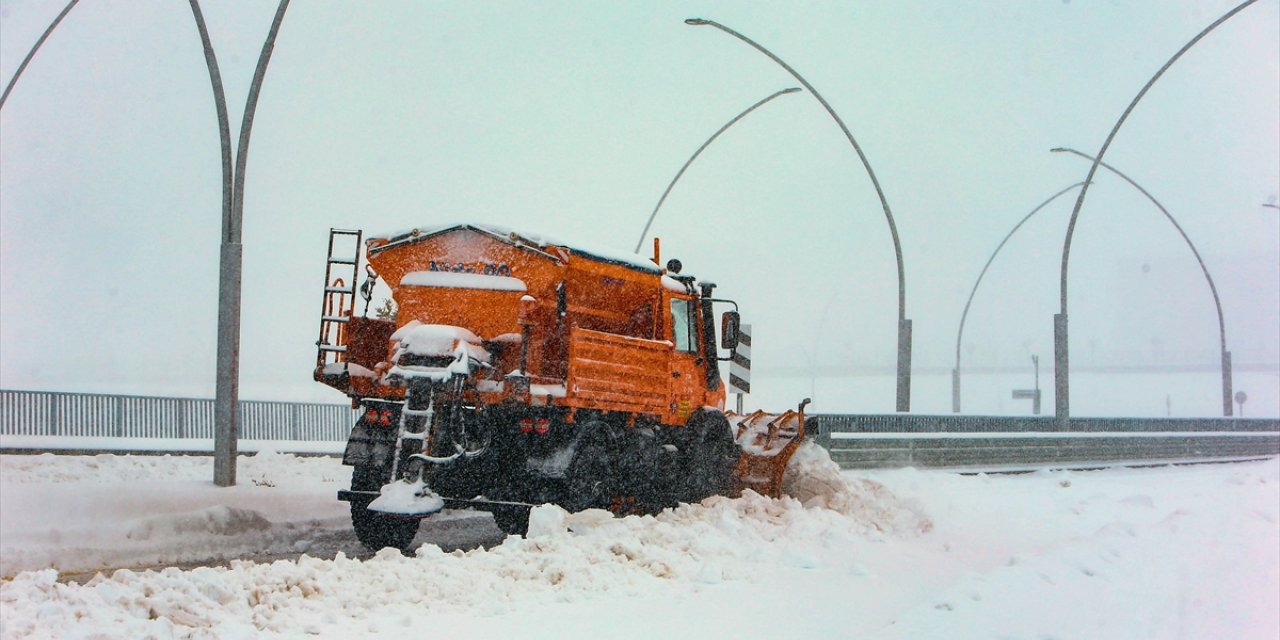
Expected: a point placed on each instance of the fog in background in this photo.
(570, 118)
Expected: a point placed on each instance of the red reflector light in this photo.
(543, 426)
(386, 417)
(526, 425)
(371, 415)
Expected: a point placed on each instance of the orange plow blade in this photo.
(767, 440)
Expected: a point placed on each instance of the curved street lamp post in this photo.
(226, 401)
(955, 373)
(904, 325)
(1061, 373)
(645, 232)
(1217, 302)
(32, 53)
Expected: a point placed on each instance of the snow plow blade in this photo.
(767, 440)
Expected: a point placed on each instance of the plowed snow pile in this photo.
(1153, 553)
(815, 480)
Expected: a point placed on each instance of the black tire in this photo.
(591, 479)
(513, 521)
(374, 530)
(711, 458)
(377, 531)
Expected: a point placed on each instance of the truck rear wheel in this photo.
(374, 530)
(590, 480)
(377, 531)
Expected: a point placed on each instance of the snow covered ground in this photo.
(1169, 552)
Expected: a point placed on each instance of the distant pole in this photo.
(695, 155)
(226, 402)
(904, 325)
(955, 373)
(1217, 302)
(1061, 373)
(31, 54)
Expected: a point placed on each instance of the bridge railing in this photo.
(88, 415)
(855, 441)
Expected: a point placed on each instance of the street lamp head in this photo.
(697, 21)
(1058, 150)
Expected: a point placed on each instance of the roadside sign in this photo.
(740, 365)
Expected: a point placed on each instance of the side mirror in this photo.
(729, 323)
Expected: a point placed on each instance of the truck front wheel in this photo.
(710, 457)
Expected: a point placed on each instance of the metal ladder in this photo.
(339, 297)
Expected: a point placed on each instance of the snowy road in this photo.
(1172, 552)
(162, 511)
(449, 531)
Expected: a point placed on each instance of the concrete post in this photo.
(1061, 389)
(225, 412)
(1226, 383)
(904, 365)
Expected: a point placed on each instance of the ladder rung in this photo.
(343, 319)
(413, 436)
(339, 290)
(329, 347)
(342, 261)
(417, 412)
(345, 232)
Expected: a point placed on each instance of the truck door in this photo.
(687, 377)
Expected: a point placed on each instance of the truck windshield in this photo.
(684, 329)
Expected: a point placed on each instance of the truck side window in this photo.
(684, 329)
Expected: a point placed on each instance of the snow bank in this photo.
(565, 559)
(815, 480)
(81, 513)
(1151, 553)
(267, 466)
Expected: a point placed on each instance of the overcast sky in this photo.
(570, 118)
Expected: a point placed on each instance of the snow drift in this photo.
(1153, 553)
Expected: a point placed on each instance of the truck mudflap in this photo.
(768, 441)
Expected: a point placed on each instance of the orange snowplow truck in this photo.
(519, 371)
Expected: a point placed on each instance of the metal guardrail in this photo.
(878, 441)
(48, 413)
(855, 441)
(911, 423)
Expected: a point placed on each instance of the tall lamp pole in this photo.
(1061, 374)
(761, 103)
(904, 325)
(226, 401)
(955, 373)
(1217, 302)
